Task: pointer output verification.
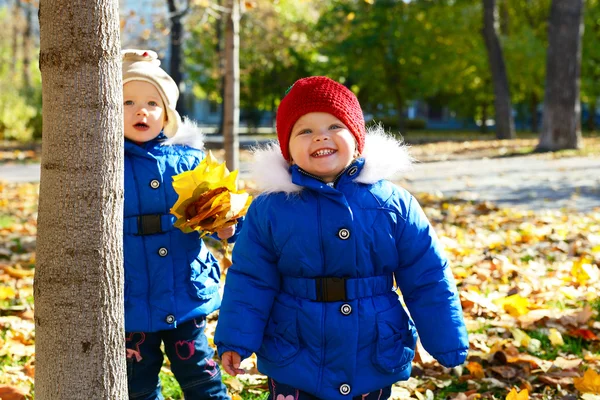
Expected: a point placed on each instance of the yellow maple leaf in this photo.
(584, 272)
(516, 305)
(514, 395)
(6, 292)
(522, 338)
(555, 338)
(589, 383)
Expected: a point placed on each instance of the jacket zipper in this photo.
(135, 178)
(335, 180)
(323, 309)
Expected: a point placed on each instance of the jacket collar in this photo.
(382, 158)
(188, 134)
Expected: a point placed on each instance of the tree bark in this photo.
(561, 122)
(231, 101)
(505, 126)
(175, 64)
(78, 287)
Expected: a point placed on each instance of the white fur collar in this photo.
(189, 133)
(384, 157)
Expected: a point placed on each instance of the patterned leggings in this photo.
(279, 391)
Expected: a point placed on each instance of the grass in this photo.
(573, 345)
(170, 387)
(451, 390)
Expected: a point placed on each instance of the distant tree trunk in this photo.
(78, 286)
(175, 66)
(231, 101)
(533, 106)
(402, 128)
(505, 125)
(219, 48)
(16, 23)
(484, 118)
(561, 122)
(591, 122)
(27, 46)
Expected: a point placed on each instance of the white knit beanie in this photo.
(144, 65)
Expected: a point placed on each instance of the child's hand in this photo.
(226, 233)
(231, 363)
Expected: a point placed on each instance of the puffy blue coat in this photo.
(170, 277)
(366, 230)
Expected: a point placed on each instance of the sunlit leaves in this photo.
(516, 395)
(589, 383)
(208, 198)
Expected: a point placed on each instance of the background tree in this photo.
(176, 13)
(78, 285)
(590, 67)
(277, 49)
(524, 51)
(505, 126)
(561, 124)
(231, 101)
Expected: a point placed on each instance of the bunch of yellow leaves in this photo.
(208, 198)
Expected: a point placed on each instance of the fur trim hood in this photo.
(384, 157)
(189, 134)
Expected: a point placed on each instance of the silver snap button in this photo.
(163, 252)
(154, 184)
(170, 319)
(345, 389)
(352, 171)
(343, 233)
(346, 309)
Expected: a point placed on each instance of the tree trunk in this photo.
(561, 122)
(591, 122)
(27, 46)
(231, 101)
(78, 286)
(16, 21)
(505, 126)
(402, 128)
(484, 118)
(175, 65)
(219, 49)
(533, 106)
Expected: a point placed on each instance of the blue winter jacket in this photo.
(312, 242)
(170, 277)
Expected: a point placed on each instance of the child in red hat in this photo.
(311, 289)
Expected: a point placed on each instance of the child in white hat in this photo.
(171, 278)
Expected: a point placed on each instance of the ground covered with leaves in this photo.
(529, 284)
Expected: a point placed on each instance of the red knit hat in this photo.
(319, 94)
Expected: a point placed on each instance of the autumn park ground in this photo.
(522, 231)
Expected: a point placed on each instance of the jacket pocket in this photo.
(280, 342)
(396, 340)
(204, 282)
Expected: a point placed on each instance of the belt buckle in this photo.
(330, 289)
(149, 224)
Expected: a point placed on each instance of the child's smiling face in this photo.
(322, 145)
(144, 113)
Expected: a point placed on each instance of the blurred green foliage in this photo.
(20, 106)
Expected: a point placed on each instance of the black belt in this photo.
(329, 289)
(148, 224)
